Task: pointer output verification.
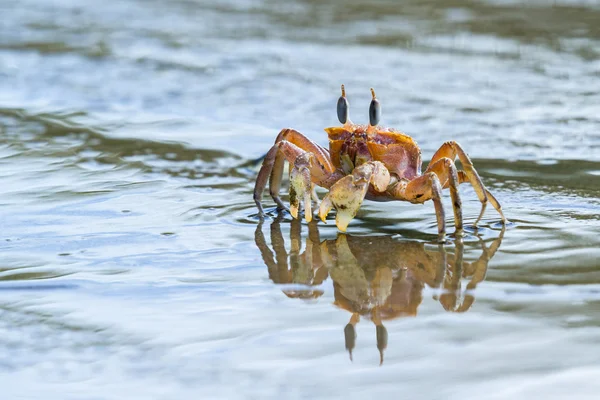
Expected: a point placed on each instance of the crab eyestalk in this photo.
(343, 109)
(374, 112)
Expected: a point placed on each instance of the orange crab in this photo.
(366, 161)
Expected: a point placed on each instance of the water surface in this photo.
(133, 262)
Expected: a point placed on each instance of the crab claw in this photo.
(300, 187)
(380, 176)
(325, 207)
(347, 194)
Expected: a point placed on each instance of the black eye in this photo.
(374, 110)
(342, 107)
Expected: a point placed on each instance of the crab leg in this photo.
(462, 178)
(452, 150)
(289, 145)
(347, 194)
(275, 179)
(446, 171)
(304, 143)
(421, 189)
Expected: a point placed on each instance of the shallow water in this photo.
(133, 261)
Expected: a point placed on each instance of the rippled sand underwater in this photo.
(134, 264)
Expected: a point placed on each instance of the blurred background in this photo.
(134, 265)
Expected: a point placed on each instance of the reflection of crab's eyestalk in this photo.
(374, 110)
(343, 107)
(382, 341)
(350, 337)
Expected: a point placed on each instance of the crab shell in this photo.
(351, 145)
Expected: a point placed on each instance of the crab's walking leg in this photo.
(462, 178)
(275, 179)
(453, 150)
(446, 171)
(290, 144)
(347, 194)
(421, 189)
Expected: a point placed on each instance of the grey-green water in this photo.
(133, 265)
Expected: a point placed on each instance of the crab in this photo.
(367, 162)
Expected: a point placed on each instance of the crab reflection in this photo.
(376, 277)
